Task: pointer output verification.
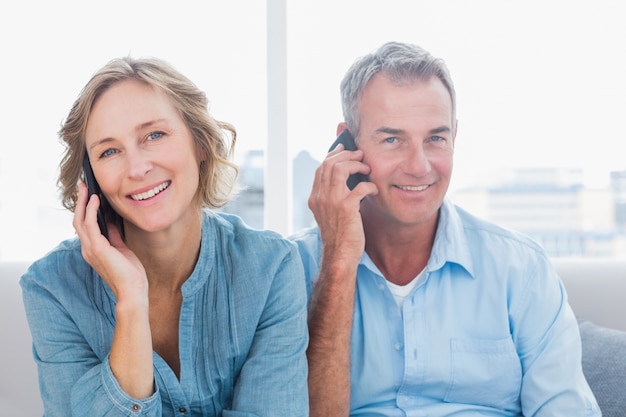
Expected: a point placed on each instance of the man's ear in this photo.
(341, 127)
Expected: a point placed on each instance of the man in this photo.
(418, 308)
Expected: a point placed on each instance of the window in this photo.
(540, 85)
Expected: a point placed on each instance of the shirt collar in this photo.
(450, 244)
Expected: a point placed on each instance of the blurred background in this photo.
(540, 85)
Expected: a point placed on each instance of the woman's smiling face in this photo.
(143, 156)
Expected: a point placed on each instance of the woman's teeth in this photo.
(150, 193)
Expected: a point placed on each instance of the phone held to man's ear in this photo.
(349, 144)
(94, 188)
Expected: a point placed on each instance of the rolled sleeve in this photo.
(98, 393)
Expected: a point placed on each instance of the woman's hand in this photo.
(131, 348)
(112, 259)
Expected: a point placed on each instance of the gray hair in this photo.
(402, 63)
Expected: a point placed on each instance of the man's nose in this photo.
(416, 161)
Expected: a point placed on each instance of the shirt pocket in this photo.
(484, 372)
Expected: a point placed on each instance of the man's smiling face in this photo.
(407, 136)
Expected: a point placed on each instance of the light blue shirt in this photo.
(243, 334)
(487, 331)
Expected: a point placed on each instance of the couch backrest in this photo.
(19, 390)
(596, 289)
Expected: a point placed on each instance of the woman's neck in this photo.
(170, 256)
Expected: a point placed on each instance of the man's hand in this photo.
(337, 212)
(336, 207)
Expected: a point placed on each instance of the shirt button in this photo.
(397, 346)
(136, 408)
(182, 410)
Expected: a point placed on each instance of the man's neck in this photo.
(399, 251)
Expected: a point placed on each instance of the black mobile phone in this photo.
(94, 188)
(349, 144)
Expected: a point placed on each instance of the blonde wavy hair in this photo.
(214, 140)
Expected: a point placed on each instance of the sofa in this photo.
(596, 290)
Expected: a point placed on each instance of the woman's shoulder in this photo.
(235, 230)
(55, 268)
(229, 243)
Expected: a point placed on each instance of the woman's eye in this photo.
(108, 152)
(155, 135)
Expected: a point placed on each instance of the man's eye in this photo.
(437, 138)
(155, 135)
(391, 140)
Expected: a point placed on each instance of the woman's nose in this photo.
(138, 164)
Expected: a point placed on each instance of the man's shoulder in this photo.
(306, 234)
(476, 227)
(309, 241)
(471, 241)
(309, 245)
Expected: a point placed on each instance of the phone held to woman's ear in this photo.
(94, 188)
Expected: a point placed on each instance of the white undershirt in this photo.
(400, 292)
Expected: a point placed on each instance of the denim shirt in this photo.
(487, 331)
(242, 332)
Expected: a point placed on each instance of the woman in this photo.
(182, 311)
